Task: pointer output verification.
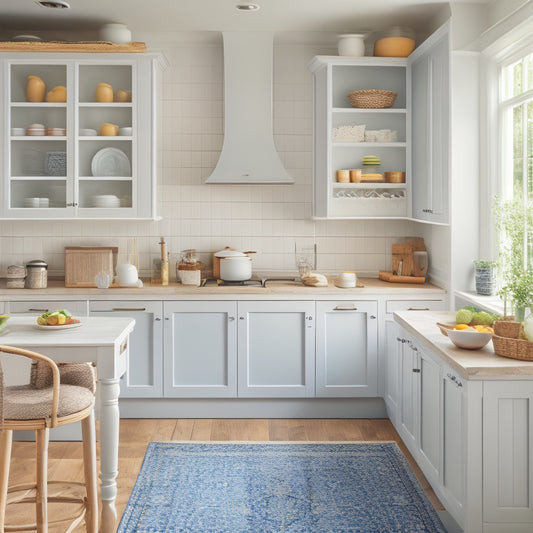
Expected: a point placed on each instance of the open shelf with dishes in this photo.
(78, 135)
(360, 156)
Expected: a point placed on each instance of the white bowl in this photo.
(18, 132)
(125, 131)
(468, 339)
(87, 132)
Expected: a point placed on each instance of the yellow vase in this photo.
(35, 89)
(57, 94)
(104, 92)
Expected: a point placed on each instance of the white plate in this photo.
(110, 162)
(63, 326)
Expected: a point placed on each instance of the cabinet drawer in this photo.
(415, 305)
(38, 307)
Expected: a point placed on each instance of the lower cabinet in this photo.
(507, 455)
(144, 376)
(346, 349)
(276, 349)
(38, 307)
(200, 349)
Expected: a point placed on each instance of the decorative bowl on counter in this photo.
(468, 339)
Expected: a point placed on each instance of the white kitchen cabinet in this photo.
(334, 78)
(200, 349)
(453, 413)
(79, 173)
(408, 393)
(144, 376)
(507, 455)
(391, 358)
(346, 349)
(430, 110)
(276, 349)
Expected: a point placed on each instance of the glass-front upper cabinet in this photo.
(78, 136)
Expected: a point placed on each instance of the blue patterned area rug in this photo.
(273, 487)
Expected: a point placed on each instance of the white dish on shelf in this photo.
(88, 132)
(17, 132)
(110, 162)
(126, 130)
(105, 200)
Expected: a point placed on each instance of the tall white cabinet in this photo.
(419, 144)
(71, 170)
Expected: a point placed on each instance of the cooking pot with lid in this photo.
(234, 265)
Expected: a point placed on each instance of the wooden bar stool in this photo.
(58, 394)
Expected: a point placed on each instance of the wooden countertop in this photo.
(367, 287)
(481, 364)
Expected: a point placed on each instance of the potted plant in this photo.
(514, 221)
(485, 276)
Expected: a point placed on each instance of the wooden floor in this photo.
(65, 457)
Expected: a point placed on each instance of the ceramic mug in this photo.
(108, 130)
(104, 92)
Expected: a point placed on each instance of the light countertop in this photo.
(471, 364)
(367, 287)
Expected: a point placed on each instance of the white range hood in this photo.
(248, 153)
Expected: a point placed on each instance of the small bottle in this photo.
(164, 262)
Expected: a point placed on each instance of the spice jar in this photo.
(36, 274)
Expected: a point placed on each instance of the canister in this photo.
(36, 274)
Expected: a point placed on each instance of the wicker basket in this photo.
(372, 98)
(506, 342)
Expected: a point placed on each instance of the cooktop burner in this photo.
(223, 283)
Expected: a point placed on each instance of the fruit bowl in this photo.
(468, 339)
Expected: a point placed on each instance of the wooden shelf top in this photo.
(81, 46)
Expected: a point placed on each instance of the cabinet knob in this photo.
(308, 317)
(157, 319)
(231, 318)
(373, 317)
(241, 318)
(416, 370)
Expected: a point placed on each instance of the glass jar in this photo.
(36, 274)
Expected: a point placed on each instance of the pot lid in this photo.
(37, 263)
(229, 253)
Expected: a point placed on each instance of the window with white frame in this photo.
(516, 116)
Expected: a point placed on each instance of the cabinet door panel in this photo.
(408, 395)
(144, 377)
(276, 349)
(38, 307)
(507, 451)
(200, 349)
(346, 359)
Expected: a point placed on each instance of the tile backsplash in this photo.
(266, 218)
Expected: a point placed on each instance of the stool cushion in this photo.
(22, 402)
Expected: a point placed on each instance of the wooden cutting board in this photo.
(82, 263)
(393, 278)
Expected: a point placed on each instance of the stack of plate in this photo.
(36, 202)
(35, 129)
(105, 200)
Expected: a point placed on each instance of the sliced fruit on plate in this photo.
(3, 319)
(60, 317)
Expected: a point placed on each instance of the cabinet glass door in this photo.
(38, 119)
(104, 137)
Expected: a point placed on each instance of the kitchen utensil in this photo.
(110, 162)
(108, 130)
(104, 93)
(127, 275)
(372, 98)
(216, 261)
(164, 262)
(355, 175)
(83, 263)
(122, 96)
(395, 177)
(115, 33)
(57, 94)
(351, 44)
(234, 265)
(35, 89)
(102, 280)
(420, 263)
(343, 176)
(37, 274)
(394, 47)
(305, 258)
(468, 339)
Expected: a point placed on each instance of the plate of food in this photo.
(60, 319)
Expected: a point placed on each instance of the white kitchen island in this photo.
(104, 341)
(467, 418)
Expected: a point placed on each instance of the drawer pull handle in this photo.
(416, 370)
(34, 310)
(128, 309)
(345, 308)
(418, 308)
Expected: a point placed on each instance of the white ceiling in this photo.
(221, 15)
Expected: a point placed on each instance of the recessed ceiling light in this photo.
(247, 7)
(53, 4)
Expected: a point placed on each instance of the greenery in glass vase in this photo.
(514, 221)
